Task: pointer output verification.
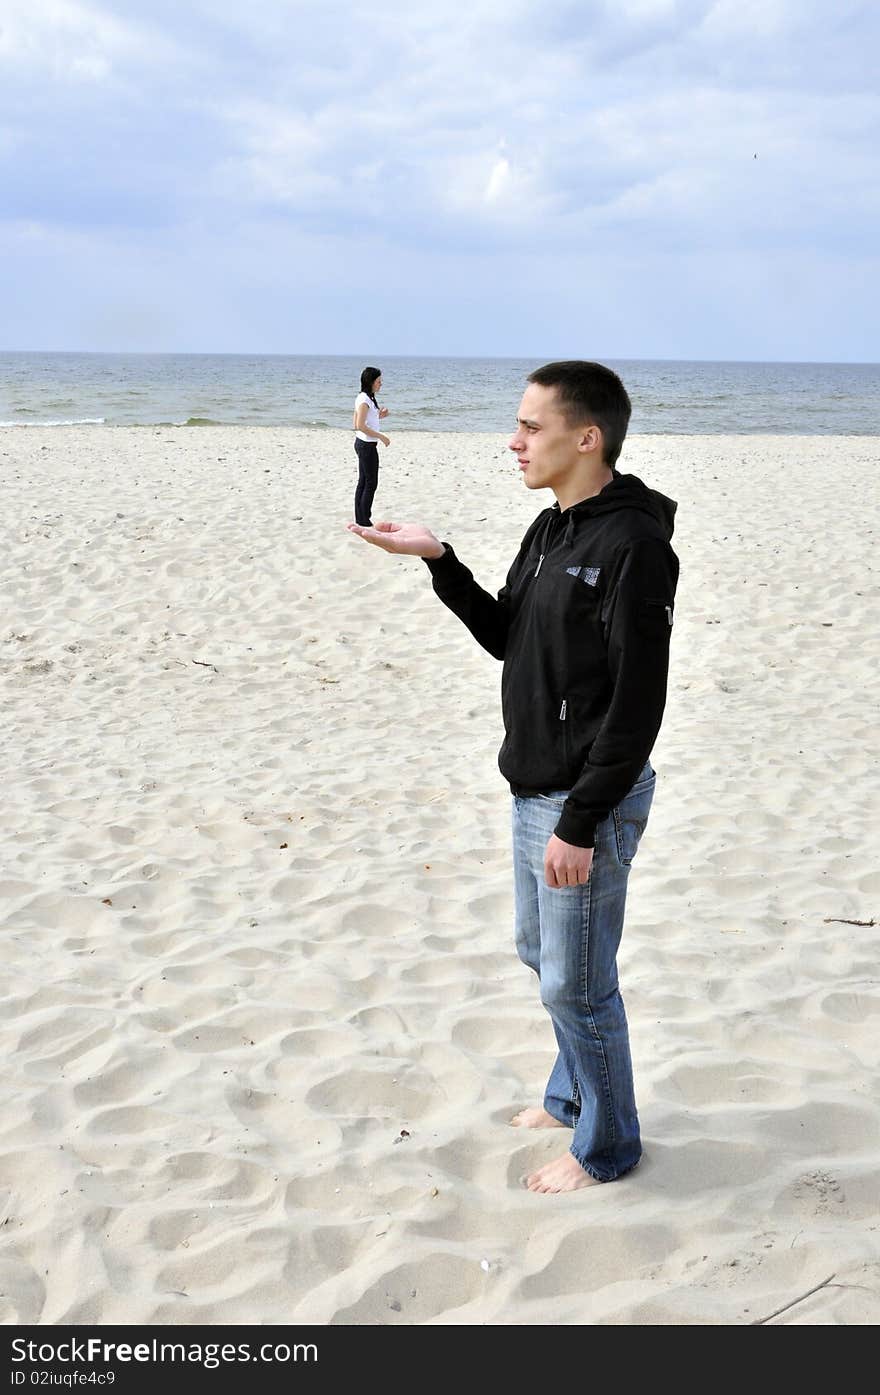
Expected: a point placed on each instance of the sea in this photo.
(424, 394)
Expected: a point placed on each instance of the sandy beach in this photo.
(262, 1017)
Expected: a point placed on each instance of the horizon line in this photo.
(471, 358)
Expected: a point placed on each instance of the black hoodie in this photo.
(583, 625)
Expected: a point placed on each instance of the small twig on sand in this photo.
(759, 1322)
(202, 664)
(833, 920)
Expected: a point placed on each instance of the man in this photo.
(582, 625)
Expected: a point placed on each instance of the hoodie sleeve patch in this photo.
(654, 619)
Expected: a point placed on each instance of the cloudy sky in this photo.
(499, 177)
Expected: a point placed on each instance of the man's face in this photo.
(547, 447)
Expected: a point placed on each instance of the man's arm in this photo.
(638, 628)
(486, 616)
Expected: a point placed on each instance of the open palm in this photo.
(407, 539)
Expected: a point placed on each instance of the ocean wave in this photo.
(200, 421)
(65, 421)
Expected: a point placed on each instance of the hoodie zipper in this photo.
(547, 541)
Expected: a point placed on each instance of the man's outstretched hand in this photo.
(407, 539)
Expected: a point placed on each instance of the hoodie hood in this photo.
(623, 492)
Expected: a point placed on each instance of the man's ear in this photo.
(590, 440)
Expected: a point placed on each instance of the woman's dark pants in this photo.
(368, 478)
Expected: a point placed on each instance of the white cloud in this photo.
(65, 40)
(498, 180)
(728, 20)
(281, 156)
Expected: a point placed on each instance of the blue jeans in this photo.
(569, 936)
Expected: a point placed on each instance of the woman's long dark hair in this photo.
(368, 378)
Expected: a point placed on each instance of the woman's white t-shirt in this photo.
(372, 416)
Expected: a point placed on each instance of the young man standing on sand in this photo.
(582, 625)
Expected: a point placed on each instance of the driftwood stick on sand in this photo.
(759, 1322)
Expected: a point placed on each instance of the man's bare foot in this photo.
(563, 1175)
(533, 1118)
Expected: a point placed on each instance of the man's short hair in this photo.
(590, 393)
